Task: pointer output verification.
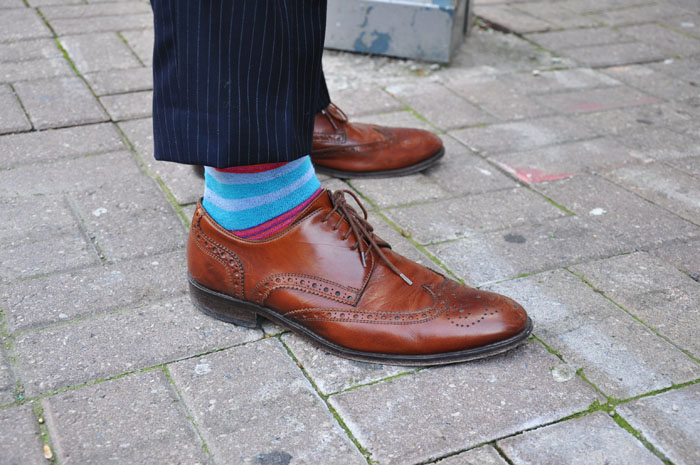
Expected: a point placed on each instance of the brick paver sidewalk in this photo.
(571, 183)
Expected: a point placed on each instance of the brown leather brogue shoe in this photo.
(344, 149)
(329, 278)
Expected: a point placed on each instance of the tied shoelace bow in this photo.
(333, 113)
(360, 227)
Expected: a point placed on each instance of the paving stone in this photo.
(129, 106)
(670, 421)
(12, 4)
(574, 38)
(180, 179)
(146, 424)
(485, 455)
(442, 410)
(466, 216)
(397, 119)
(557, 80)
(19, 437)
(22, 24)
(664, 38)
(562, 161)
(683, 255)
(664, 298)
(616, 54)
(119, 342)
(590, 6)
(559, 16)
(12, 118)
(57, 144)
(399, 191)
(91, 11)
(333, 374)
(660, 144)
(595, 438)
(522, 135)
(616, 353)
(634, 119)
(357, 102)
(257, 395)
(584, 101)
(141, 42)
(512, 19)
(638, 14)
(461, 172)
(399, 243)
(99, 52)
(663, 185)
(120, 81)
(654, 82)
(40, 236)
(68, 26)
(59, 102)
(28, 50)
(7, 381)
(35, 69)
(34, 303)
(686, 23)
(506, 254)
(624, 215)
(440, 106)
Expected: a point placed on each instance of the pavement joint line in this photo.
(635, 317)
(443, 199)
(377, 381)
(188, 414)
(126, 42)
(622, 423)
(90, 238)
(48, 163)
(44, 433)
(502, 454)
(334, 413)
(24, 110)
(415, 113)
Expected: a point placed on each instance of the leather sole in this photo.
(418, 167)
(243, 313)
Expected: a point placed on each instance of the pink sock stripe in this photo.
(251, 168)
(273, 225)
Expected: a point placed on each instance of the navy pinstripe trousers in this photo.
(237, 82)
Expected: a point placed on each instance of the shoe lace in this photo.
(333, 113)
(360, 228)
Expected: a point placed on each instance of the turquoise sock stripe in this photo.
(237, 205)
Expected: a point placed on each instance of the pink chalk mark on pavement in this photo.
(531, 175)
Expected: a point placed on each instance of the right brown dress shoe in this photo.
(329, 278)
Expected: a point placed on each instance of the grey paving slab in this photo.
(332, 374)
(470, 215)
(485, 455)
(442, 410)
(99, 52)
(638, 14)
(461, 172)
(670, 421)
(12, 118)
(57, 144)
(439, 105)
(108, 345)
(136, 419)
(686, 23)
(654, 82)
(19, 437)
(555, 14)
(141, 42)
(616, 353)
(593, 439)
(13, 72)
(12, 4)
(661, 296)
(664, 38)
(665, 186)
(584, 101)
(399, 191)
(396, 119)
(253, 405)
(590, 6)
(562, 161)
(574, 38)
(399, 243)
(132, 105)
(34, 303)
(623, 214)
(506, 254)
(27, 50)
(661, 144)
(22, 24)
(59, 102)
(683, 255)
(40, 235)
(120, 81)
(357, 102)
(690, 165)
(93, 10)
(8, 383)
(634, 119)
(557, 81)
(521, 135)
(68, 26)
(617, 54)
(180, 179)
(512, 19)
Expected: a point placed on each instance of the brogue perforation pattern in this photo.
(310, 284)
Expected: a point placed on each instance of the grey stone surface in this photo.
(56, 144)
(19, 437)
(683, 255)
(103, 423)
(560, 80)
(593, 439)
(617, 54)
(333, 374)
(22, 24)
(634, 119)
(638, 14)
(26, 50)
(99, 52)
(120, 81)
(399, 242)
(470, 215)
(513, 19)
(616, 353)
(63, 297)
(35, 69)
(584, 101)
(399, 191)
(120, 342)
(59, 102)
(358, 102)
(7, 381)
(485, 455)
(660, 144)
(129, 106)
(664, 38)
(654, 82)
(662, 297)
(574, 38)
(441, 410)
(68, 26)
(253, 405)
(141, 42)
(12, 118)
(670, 421)
(555, 14)
(93, 10)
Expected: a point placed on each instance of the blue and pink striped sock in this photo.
(258, 201)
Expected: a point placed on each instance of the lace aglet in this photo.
(364, 263)
(405, 278)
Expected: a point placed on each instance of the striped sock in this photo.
(257, 201)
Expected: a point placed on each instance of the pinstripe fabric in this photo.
(237, 82)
